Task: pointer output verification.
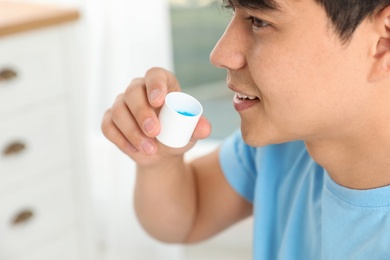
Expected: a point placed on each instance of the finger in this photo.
(202, 129)
(127, 125)
(137, 103)
(158, 83)
(112, 133)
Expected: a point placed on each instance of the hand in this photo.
(132, 121)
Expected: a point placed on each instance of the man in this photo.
(311, 162)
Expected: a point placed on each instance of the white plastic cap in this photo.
(178, 118)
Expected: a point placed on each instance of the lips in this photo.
(242, 102)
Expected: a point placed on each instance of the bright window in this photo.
(196, 27)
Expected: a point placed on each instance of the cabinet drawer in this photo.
(64, 248)
(34, 211)
(31, 69)
(33, 141)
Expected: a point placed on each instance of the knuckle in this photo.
(123, 145)
(105, 118)
(119, 97)
(157, 75)
(139, 113)
(135, 138)
(109, 132)
(116, 110)
(153, 70)
(129, 93)
(135, 82)
(107, 129)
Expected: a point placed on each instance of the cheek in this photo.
(286, 85)
(299, 95)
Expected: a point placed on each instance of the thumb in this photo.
(203, 129)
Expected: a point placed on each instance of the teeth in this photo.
(241, 96)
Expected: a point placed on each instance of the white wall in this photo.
(125, 38)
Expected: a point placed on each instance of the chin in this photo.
(259, 138)
(255, 139)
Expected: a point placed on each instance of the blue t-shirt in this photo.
(299, 211)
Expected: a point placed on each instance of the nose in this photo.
(229, 52)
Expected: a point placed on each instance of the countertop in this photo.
(17, 17)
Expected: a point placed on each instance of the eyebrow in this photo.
(260, 5)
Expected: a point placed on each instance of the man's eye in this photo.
(257, 23)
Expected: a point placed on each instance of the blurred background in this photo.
(100, 51)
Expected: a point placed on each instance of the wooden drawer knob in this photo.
(22, 217)
(14, 148)
(7, 74)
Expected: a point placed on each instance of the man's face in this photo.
(308, 84)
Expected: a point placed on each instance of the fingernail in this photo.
(149, 125)
(147, 147)
(154, 95)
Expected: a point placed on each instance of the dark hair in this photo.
(345, 15)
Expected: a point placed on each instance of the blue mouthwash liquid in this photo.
(184, 113)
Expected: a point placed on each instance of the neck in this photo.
(359, 160)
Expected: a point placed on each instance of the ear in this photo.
(381, 66)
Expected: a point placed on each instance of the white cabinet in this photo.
(36, 210)
(43, 188)
(32, 141)
(35, 67)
